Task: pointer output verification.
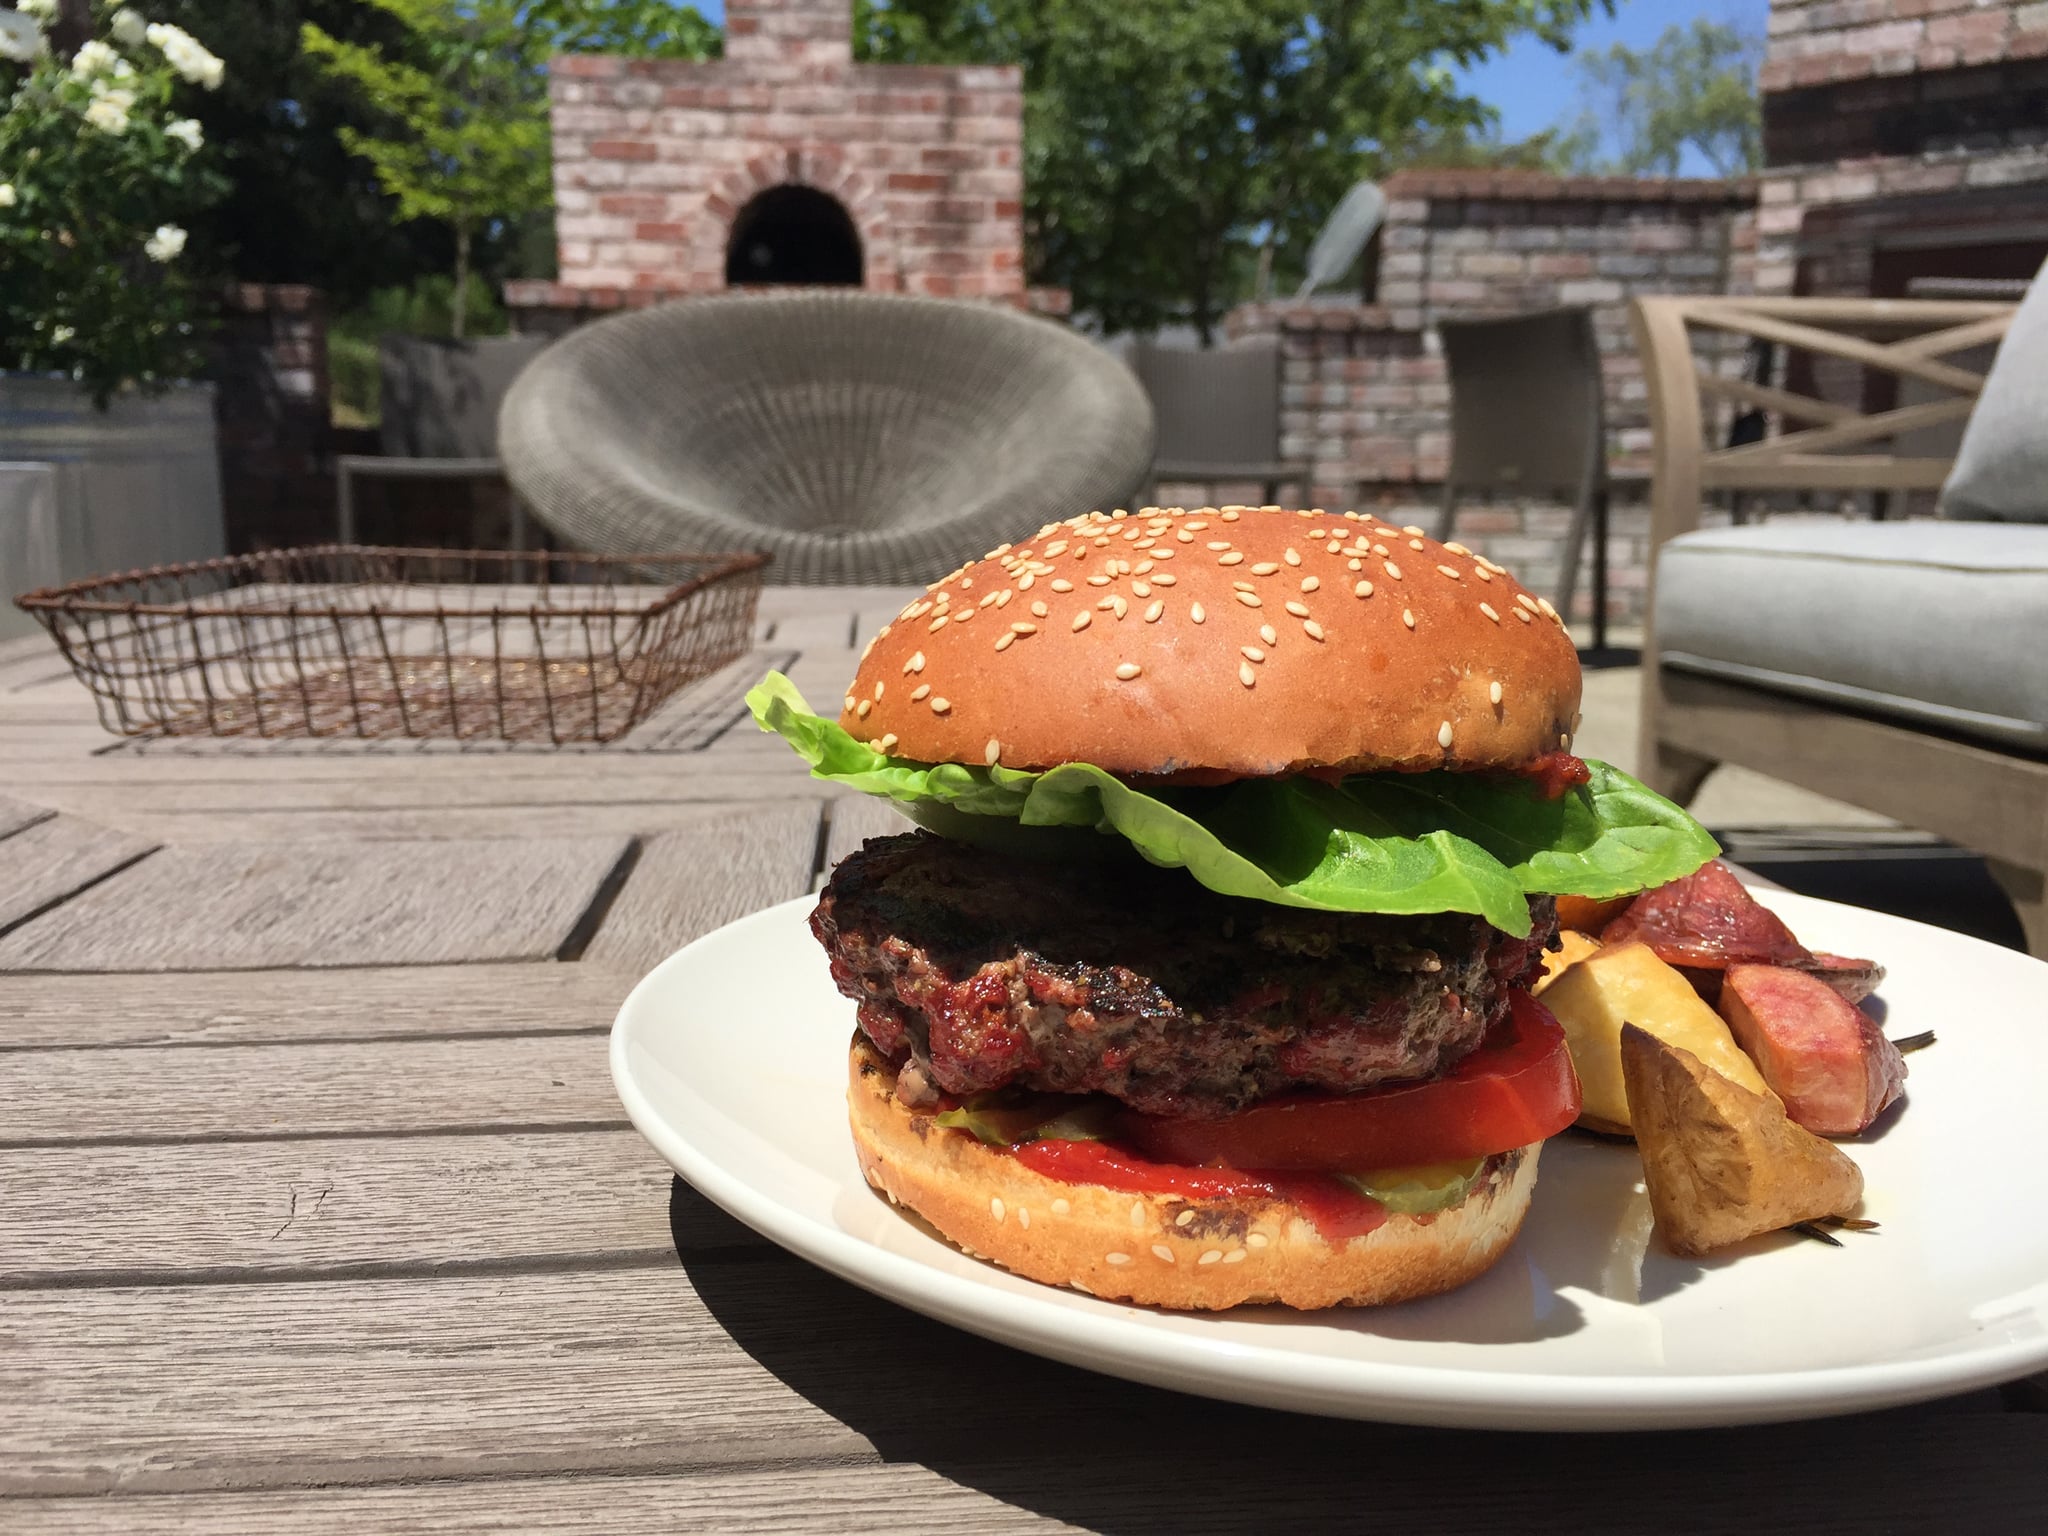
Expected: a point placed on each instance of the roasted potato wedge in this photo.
(1574, 947)
(1722, 1163)
(1583, 914)
(1824, 1056)
(1627, 984)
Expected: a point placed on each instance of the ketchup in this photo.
(1557, 774)
(1332, 1207)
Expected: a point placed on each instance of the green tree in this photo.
(458, 99)
(1695, 87)
(1165, 140)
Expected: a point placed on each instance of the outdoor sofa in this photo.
(1894, 664)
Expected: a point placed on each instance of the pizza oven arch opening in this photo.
(793, 234)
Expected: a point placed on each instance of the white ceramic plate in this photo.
(731, 1059)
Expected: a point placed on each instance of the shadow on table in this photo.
(1113, 1456)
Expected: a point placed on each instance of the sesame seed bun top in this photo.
(1219, 643)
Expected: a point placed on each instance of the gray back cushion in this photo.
(2002, 468)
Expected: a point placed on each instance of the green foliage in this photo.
(1459, 148)
(99, 170)
(1694, 87)
(1376, 842)
(1164, 139)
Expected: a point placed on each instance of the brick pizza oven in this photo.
(783, 162)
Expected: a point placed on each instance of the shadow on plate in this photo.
(1108, 1455)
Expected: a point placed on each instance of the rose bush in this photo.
(97, 170)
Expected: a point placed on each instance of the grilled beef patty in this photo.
(974, 970)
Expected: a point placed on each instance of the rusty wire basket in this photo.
(347, 640)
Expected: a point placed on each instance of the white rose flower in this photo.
(60, 334)
(127, 26)
(21, 40)
(94, 58)
(7, 198)
(165, 244)
(186, 131)
(109, 113)
(182, 51)
(42, 10)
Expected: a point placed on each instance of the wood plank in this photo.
(141, 1094)
(717, 1502)
(688, 883)
(17, 814)
(857, 818)
(258, 1007)
(247, 1210)
(757, 1362)
(250, 905)
(55, 859)
(266, 1385)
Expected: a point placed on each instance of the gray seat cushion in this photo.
(1932, 623)
(2001, 470)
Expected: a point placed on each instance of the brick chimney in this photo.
(789, 31)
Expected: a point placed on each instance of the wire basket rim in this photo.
(73, 597)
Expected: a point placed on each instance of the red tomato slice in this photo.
(1517, 1088)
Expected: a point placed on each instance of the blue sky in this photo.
(1530, 86)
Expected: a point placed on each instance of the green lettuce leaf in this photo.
(1381, 842)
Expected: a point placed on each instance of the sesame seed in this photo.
(1218, 544)
(936, 624)
(1184, 536)
(1246, 675)
(1023, 629)
(1310, 583)
(1363, 588)
(863, 707)
(989, 754)
(1523, 615)
(995, 1207)
(1059, 1206)
(1023, 1218)
(1026, 582)
(1378, 549)
(1290, 557)
(1252, 653)
(1057, 547)
(1163, 579)
(1256, 1240)
(1144, 567)
(879, 686)
(1312, 629)
(1269, 634)
(1481, 573)
(916, 662)
(1116, 1258)
(1141, 589)
(1138, 1214)
(1197, 614)
(1128, 670)
(1408, 617)
(1493, 692)
(1443, 735)
(1039, 610)
(1355, 565)
(1229, 514)
(1524, 600)
(1184, 1217)
(1197, 527)
(1153, 610)
(1487, 609)
(887, 743)
(940, 706)
(1449, 571)
(922, 690)
(1061, 584)
(1457, 549)
(1119, 607)
(963, 616)
(1235, 557)
(1081, 620)
(1162, 1253)
(1412, 531)
(1098, 581)
(1249, 599)
(1213, 1256)
(987, 598)
(1393, 570)
(1299, 610)
(1416, 545)
(1005, 640)
(1548, 611)
(1235, 1256)
(1265, 567)
(1003, 598)
(849, 701)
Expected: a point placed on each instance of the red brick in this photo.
(622, 149)
(911, 181)
(633, 205)
(663, 231)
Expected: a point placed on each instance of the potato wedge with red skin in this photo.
(1721, 1163)
(1821, 1054)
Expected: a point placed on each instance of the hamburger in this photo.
(1241, 832)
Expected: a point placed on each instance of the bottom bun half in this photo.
(1166, 1250)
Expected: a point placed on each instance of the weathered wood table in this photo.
(317, 1211)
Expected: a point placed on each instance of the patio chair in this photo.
(1528, 420)
(1218, 415)
(856, 437)
(1893, 665)
(438, 416)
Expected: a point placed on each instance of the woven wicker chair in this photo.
(856, 437)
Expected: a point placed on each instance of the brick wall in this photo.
(654, 159)
(1365, 399)
(271, 407)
